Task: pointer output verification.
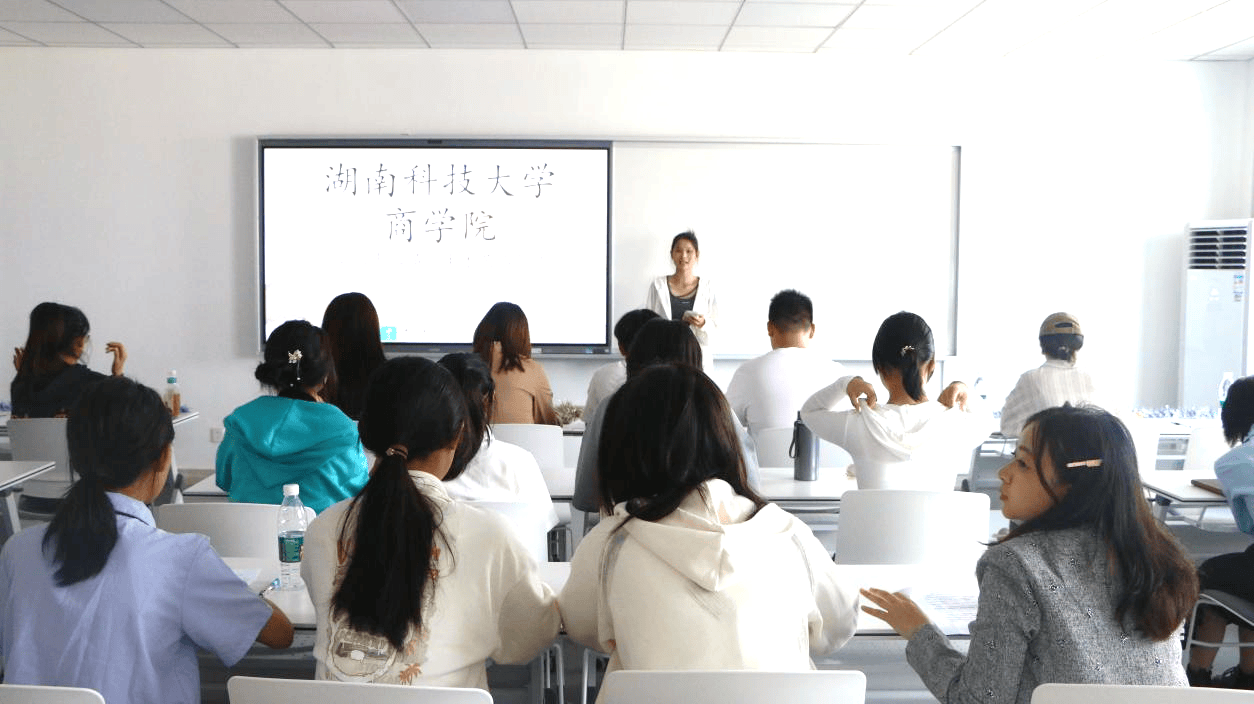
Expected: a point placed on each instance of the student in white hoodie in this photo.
(910, 442)
(692, 570)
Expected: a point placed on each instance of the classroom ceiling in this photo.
(1205, 30)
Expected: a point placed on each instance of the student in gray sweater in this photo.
(1088, 588)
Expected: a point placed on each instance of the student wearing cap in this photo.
(1055, 382)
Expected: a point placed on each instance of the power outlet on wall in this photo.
(215, 434)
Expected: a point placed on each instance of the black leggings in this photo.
(1232, 573)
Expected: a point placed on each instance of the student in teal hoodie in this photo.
(292, 437)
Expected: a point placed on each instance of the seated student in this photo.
(606, 379)
(767, 392)
(50, 377)
(352, 327)
(292, 437)
(1055, 382)
(909, 442)
(459, 587)
(1088, 588)
(523, 394)
(101, 598)
(1233, 572)
(658, 341)
(692, 570)
(494, 470)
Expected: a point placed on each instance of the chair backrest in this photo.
(234, 530)
(773, 444)
(1206, 444)
(898, 526)
(544, 442)
(264, 690)
(832, 455)
(529, 520)
(42, 439)
(38, 694)
(1134, 694)
(722, 686)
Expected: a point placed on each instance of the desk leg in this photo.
(1160, 508)
(11, 522)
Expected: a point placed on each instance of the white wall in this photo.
(127, 181)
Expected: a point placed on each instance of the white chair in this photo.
(835, 456)
(38, 694)
(722, 686)
(42, 439)
(1134, 694)
(530, 523)
(899, 526)
(544, 442)
(773, 444)
(264, 690)
(234, 530)
(1206, 444)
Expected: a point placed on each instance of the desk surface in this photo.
(1176, 486)
(13, 472)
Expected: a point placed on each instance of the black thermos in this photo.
(804, 452)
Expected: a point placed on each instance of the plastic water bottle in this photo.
(173, 399)
(292, 525)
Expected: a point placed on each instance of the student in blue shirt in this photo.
(100, 598)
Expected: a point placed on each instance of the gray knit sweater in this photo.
(1046, 614)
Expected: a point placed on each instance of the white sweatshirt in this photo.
(711, 586)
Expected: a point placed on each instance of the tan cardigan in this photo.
(522, 396)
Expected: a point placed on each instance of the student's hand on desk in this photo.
(858, 388)
(954, 395)
(897, 610)
(17, 357)
(119, 356)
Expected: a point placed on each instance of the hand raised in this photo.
(955, 395)
(118, 350)
(860, 388)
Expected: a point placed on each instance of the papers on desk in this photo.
(951, 612)
(247, 575)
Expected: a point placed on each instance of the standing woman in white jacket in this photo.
(693, 570)
(686, 297)
(910, 442)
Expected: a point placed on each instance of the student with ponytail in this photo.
(910, 442)
(410, 586)
(100, 598)
(292, 437)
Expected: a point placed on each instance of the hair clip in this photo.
(398, 451)
(294, 357)
(1084, 463)
(905, 349)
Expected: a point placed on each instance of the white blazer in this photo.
(658, 300)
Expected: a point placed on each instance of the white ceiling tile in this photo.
(1241, 50)
(360, 34)
(874, 42)
(233, 11)
(269, 35)
(584, 36)
(696, 12)
(159, 34)
(67, 33)
(33, 11)
(658, 36)
(442, 36)
(8, 38)
(123, 10)
(569, 11)
(458, 11)
(344, 11)
(776, 38)
(756, 13)
(893, 17)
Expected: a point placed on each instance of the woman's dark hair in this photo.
(507, 324)
(904, 343)
(475, 379)
(352, 327)
(1159, 581)
(54, 329)
(667, 430)
(117, 432)
(1061, 346)
(661, 340)
(627, 326)
(686, 235)
(297, 357)
(1237, 415)
(413, 408)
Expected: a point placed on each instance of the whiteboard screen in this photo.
(435, 232)
(864, 230)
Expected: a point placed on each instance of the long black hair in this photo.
(297, 357)
(667, 430)
(1103, 493)
(117, 432)
(662, 340)
(413, 408)
(904, 343)
(352, 327)
(475, 379)
(54, 330)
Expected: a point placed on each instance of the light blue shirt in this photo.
(1235, 470)
(131, 631)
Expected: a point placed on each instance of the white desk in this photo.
(1174, 489)
(12, 474)
(205, 490)
(778, 486)
(296, 603)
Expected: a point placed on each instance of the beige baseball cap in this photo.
(1060, 324)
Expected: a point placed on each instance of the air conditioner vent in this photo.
(1226, 248)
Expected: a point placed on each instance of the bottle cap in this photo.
(172, 378)
(291, 489)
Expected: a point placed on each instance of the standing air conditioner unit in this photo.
(1215, 321)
